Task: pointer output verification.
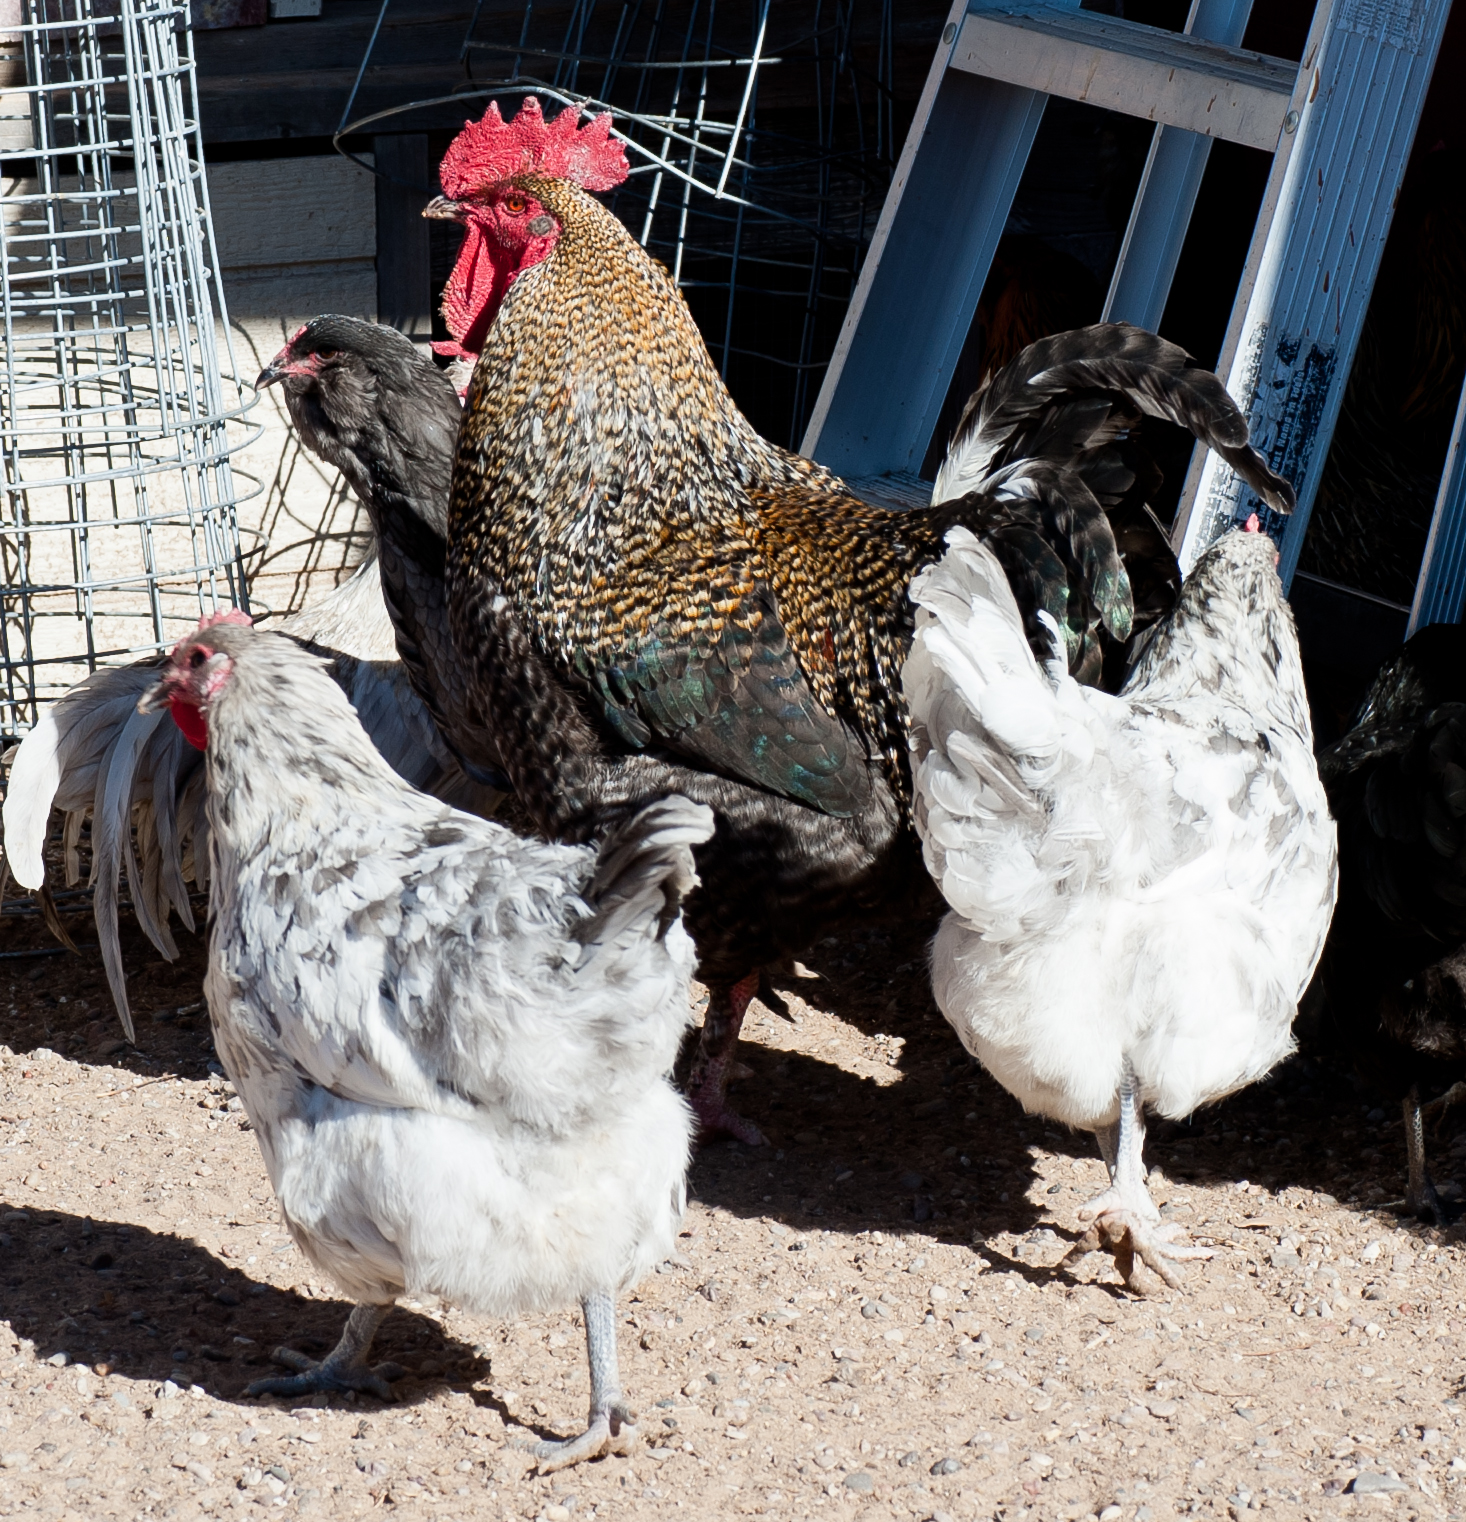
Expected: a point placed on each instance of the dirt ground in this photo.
(866, 1320)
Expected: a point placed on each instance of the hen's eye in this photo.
(326, 353)
(197, 659)
(515, 205)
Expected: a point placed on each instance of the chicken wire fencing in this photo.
(119, 407)
(761, 141)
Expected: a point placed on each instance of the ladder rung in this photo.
(1167, 77)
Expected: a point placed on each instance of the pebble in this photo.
(859, 1480)
(1371, 1484)
(946, 1466)
(1110, 1514)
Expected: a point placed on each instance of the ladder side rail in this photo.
(1166, 195)
(1440, 590)
(1320, 254)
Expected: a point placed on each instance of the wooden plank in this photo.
(292, 211)
(404, 271)
(296, 237)
(1160, 76)
(922, 277)
(1319, 255)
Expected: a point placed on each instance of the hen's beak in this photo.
(271, 373)
(441, 209)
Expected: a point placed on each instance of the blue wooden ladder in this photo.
(1339, 126)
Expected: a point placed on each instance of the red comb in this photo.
(491, 150)
(1253, 525)
(228, 616)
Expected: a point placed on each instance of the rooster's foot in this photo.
(344, 1368)
(712, 1067)
(613, 1430)
(714, 1118)
(1127, 1234)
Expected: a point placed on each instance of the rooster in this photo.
(1139, 885)
(646, 594)
(1394, 970)
(381, 416)
(451, 1042)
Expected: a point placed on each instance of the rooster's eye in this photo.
(515, 205)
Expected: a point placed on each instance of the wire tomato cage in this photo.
(120, 402)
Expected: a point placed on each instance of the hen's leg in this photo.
(343, 1368)
(707, 1085)
(1126, 1222)
(612, 1426)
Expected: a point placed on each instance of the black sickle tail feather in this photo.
(1006, 419)
(645, 869)
(1057, 545)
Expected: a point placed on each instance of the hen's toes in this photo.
(317, 1375)
(610, 1431)
(1126, 1236)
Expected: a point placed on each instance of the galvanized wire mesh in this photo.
(761, 139)
(118, 409)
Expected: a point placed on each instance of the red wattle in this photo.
(476, 289)
(191, 721)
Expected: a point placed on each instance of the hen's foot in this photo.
(1128, 1233)
(613, 1430)
(344, 1368)
(325, 1374)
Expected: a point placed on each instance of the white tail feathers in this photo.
(992, 734)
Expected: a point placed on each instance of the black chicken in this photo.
(366, 401)
(1394, 969)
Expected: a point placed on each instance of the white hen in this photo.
(1140, 885)
(452, 1042)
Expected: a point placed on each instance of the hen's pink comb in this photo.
(228, 616)
(1253, 525)
(491, 150)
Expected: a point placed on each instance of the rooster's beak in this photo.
(441, 209)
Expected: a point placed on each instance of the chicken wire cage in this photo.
(761, 141)
(119, 398)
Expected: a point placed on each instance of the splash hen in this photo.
(452, 1043)
(646, 594)
(1140, 885)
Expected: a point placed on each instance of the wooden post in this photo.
(404, 277)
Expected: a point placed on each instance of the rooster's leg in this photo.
(1420, 1198)
(612, 1427)
(707, 1087)
(1127, 1224)
(343, 1368)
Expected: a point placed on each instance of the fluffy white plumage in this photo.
(1140, 883)
(453, 1043)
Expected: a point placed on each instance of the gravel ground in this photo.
(866, 1319)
